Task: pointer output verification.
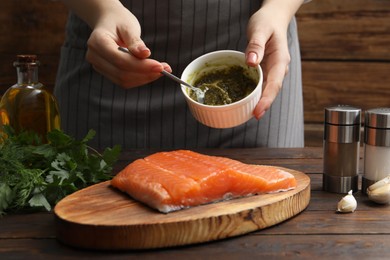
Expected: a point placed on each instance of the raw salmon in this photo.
(169, 181)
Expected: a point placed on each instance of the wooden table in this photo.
(317, 232)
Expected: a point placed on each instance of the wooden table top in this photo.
(317, 232)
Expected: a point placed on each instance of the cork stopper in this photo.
(26, 59)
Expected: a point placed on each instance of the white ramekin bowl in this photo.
(224, 116)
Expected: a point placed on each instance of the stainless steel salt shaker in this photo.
(341, 148)
(376, 146)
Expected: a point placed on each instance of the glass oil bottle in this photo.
(28, 105)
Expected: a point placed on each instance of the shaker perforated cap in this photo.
(377, 118)
(342, 115)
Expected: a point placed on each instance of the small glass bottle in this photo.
(27, 105)
(341, 149)
(376, 146)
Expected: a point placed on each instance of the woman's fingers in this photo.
(124, 69)
(275, 69)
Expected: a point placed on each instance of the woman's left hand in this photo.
(268, 45)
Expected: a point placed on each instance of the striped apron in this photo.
(156, 115)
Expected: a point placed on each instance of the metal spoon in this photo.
(216, 94)
(199, 92)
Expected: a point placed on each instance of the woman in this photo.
(124, 98)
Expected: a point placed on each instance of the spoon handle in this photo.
(164, 72)
(123, 49)
(199, 93)
(178, 80)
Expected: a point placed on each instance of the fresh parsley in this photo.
(36, 175)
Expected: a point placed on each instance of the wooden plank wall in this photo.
(31, 27)
(345, 47)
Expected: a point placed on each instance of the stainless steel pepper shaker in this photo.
(341, 148)
(376, 146)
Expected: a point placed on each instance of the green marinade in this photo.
(225, 86)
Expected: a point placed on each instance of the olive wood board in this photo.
(101, 217)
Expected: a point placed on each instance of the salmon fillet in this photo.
(169, 181)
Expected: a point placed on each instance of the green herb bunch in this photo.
(35, 175)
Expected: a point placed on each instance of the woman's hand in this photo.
(267, 44)
(112, 26)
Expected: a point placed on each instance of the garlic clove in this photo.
(380, 195)
(379, 184)
(347, 204)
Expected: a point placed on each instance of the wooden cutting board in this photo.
(101, 217)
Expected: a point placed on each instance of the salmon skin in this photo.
(170, 181)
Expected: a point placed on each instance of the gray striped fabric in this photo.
(156, 115)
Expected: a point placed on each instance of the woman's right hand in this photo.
(112, 26)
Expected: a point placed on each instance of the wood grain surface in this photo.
(319, 232)
(101, 217)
